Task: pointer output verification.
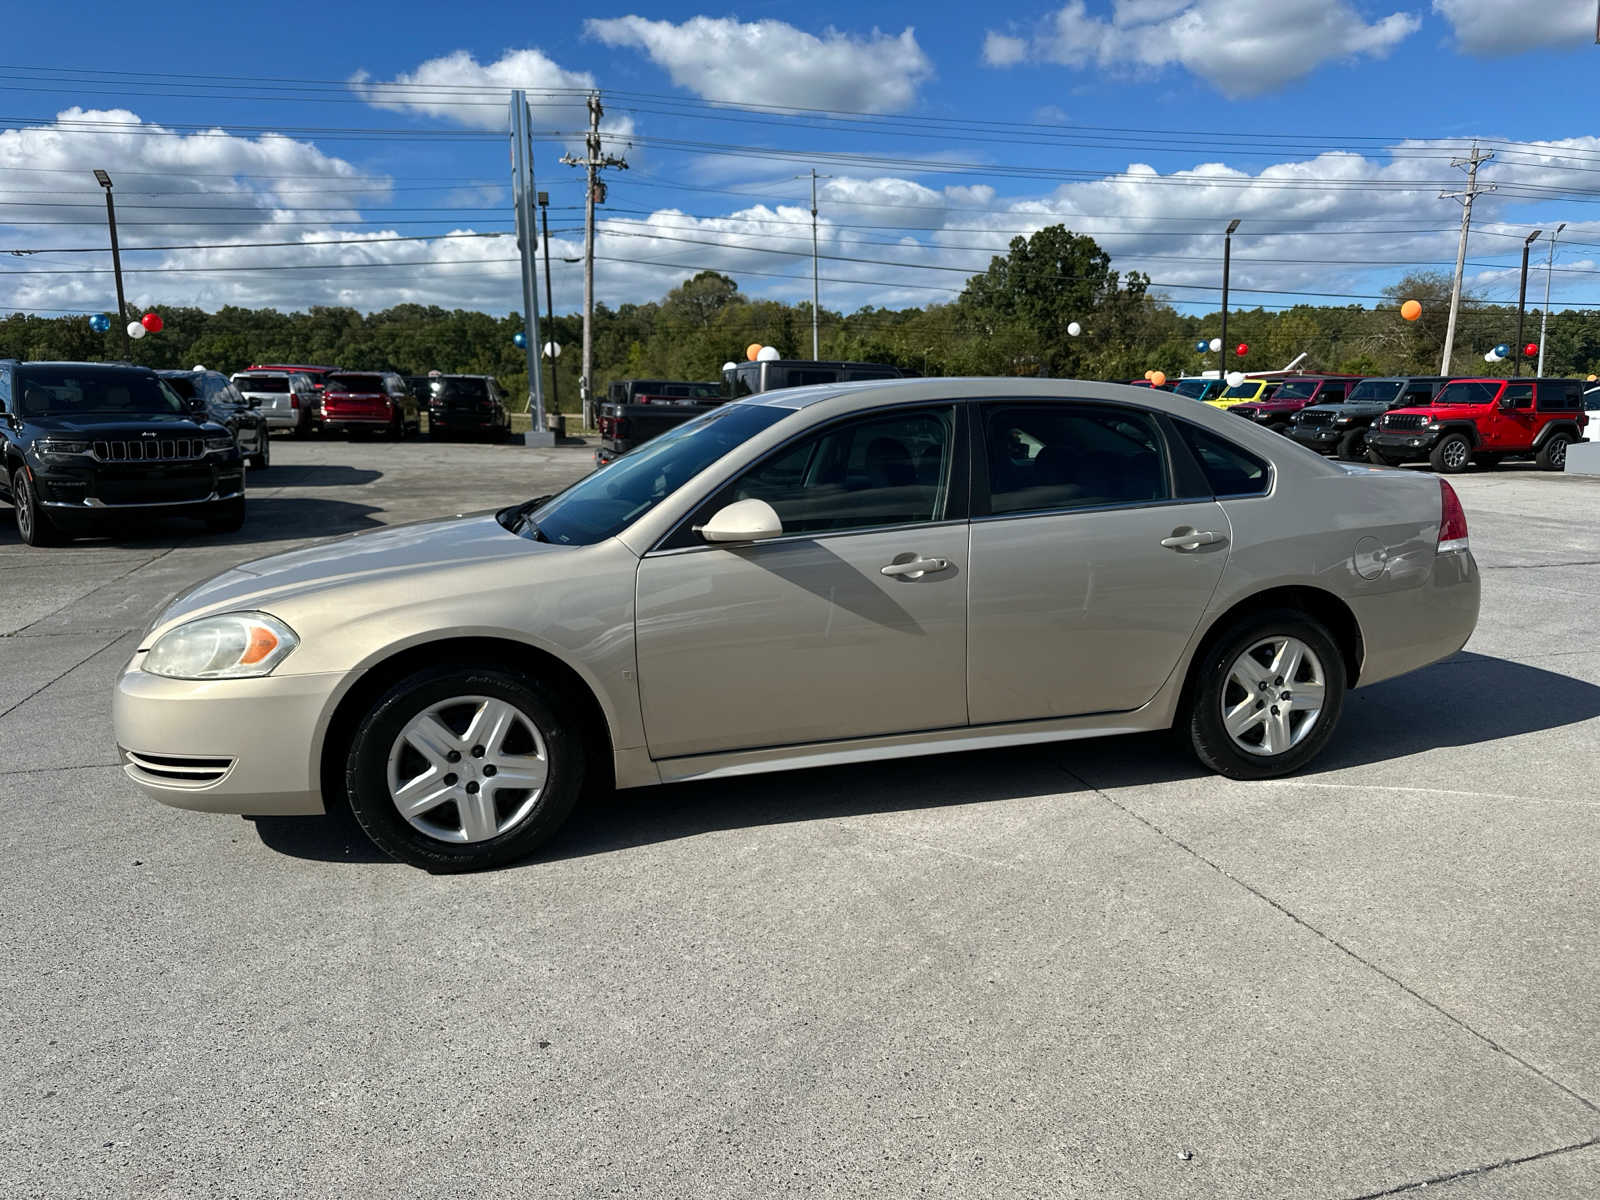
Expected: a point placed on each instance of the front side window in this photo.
(1520, 395)
(1467, 392)
(1380, 391)
(1044, 457)
(1231, 470)
(888, 469)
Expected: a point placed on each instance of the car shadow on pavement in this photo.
(1394, 719)
(311, 475)
(267, 519)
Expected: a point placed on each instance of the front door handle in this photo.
(915, 568)
(1192, 540)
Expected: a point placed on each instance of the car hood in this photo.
(120, 425)
(385, 557)
(1362, 408)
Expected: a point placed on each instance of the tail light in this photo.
(1452, 520)
(294, 401)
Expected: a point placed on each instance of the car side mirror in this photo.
(742, 521)
(1507, 403)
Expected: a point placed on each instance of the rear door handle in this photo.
(915, 568)
(1192, 540)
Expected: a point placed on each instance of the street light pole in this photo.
(104, 181)
(1544, 316)
(1227, 263)
(1522, 302)
(549, 304)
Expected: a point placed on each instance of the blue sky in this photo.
(1325, 125)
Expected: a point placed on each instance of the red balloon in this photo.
(1531, 350)
(1242, 349)
(152, 322)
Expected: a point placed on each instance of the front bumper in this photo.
(247, 746)
(1402, 443)
(1321, 438)
(91, 487)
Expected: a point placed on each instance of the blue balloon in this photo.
(99, 322)
(520, 338)
(1503, 350)
(1201, 347)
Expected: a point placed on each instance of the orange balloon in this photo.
(753, 349)
(1147, 375)
(1158, 378)
(1411, 310)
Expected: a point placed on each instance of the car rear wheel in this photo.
(1353, 446)
(262, 458)
(1452, 455)
(462, 768)
(33, 522)
(1265, 696)
(1552, 455)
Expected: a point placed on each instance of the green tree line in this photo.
(1013, 319)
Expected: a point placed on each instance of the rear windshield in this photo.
(1462, 392)
(70, 391)
(460, 389)
(356, 383)
(1298, 389)
(1194, 389)
(261, 383)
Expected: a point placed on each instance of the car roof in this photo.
(111, 366)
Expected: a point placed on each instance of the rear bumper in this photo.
(229, 746)
(464, 420)
(1407, 629)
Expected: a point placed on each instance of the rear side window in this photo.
(1048, 457)
(1230, 470)
(262, 383)
(1560, 397)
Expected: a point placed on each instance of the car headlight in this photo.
(1263, 416)
(232, 646)
(217, 442)
(56, 446)
(1342, 420)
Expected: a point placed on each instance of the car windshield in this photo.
(261, 383)
(356, 383)
(70, 391)
(1297, 389)
(602, 505)
(1463, 392)
(1192, 388)
(1248, 390)
(1380, 391)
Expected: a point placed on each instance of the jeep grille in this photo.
(150, 450)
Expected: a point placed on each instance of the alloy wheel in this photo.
(468, 769)
(1273, 697)
(21, 496)
(1455, 454)
(1558, 453)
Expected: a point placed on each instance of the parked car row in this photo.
(309, 400)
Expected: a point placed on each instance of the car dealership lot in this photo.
(1088, 969)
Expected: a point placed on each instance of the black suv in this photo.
(85, 441)
(211, 394)
(467, 404)
(1341, 429)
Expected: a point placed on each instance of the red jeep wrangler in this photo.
(1484, 421)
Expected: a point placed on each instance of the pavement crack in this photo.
(114, 579)
(1459, 1022)
(6, 712)
(1468, 1172)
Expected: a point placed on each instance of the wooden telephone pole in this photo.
(594, 161)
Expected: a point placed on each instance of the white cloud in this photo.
(1492, 27)
(1241, 47)
(772, 63)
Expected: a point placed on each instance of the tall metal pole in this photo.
(1227, 265)
(549, 304)
(816, 345)
(1522, 302)
(521, 186)
(593, 162)
(1472, 164)
(116, 265)
(1544, 315)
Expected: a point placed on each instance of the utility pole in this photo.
(527, 247)
(1544, 316)
(593, 162)
(104, 181)
(549, 304)
(1227, 263)
(1472, 163)
(1522, 300)
(816, 344)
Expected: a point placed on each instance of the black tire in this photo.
(1352, 446)
(397, 429)
(302, 429)
(1379, 459)
(1201, 720)
(367, 768)
(1451, 455)
(262, 459)
(1552, 455)
(226, 516)
(34, 525)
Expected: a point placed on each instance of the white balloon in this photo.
(198, 367)
(1216, 345)
(552, 350)
(730, 366)
(136, 330)
(768, 354)
(1489, 357)
(1074, 329)
(1235, 378)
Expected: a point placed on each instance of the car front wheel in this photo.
(1266, 696)
(1452, 454)
(262, 458)
(1353, 446)
(462, 768)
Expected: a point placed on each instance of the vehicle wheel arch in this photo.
(1569, 428)
(1466, 429)
(500, 652)
(1319, 603)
